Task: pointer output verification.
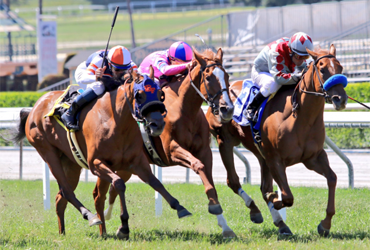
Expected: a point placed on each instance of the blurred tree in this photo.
(310, 1)
(274, 3)
(255, 3)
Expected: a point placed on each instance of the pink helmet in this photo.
(120, 57)
(181, 50)
(299, 42)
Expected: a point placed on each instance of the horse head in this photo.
(214, 83)
(326, 75)
(148, 102)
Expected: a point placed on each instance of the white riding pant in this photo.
(265, 81)
(97, 87)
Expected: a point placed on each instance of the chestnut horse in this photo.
(110, 140)
(288, 138)
(185, 139)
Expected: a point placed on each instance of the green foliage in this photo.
(19, 99)
(255, 3)
(350, 138)
(359, 91)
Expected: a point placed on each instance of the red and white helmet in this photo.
(299, 42)
(120, 57)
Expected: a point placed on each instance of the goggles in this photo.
(299, 57)
(177, 60)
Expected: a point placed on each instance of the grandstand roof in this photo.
(10, 22)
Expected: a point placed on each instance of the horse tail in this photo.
(21, 132)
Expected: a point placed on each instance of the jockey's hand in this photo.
(99, 72)
(297, 77)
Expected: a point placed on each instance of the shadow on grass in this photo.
(160, 235)
(312, 236)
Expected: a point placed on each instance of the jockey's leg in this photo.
(92, 92)
(253, 106)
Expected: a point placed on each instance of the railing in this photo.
(57, 86)
(353, 50)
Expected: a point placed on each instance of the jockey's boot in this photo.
(69, 117)
(250, 112)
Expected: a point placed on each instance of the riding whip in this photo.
(113, 22)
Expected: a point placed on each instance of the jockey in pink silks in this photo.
(168, 63)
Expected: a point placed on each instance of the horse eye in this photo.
(160, 95)
(140, 97)
(208, 77)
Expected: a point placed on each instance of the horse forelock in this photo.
(209, 55)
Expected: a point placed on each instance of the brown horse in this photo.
(287, 137)
(109, 139)
(185, 139)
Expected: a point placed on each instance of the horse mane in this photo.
(319, 50)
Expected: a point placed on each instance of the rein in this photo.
(324, 94)
(210, 100)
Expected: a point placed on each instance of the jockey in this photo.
(279, 63)
(117, 63)
(168, 63)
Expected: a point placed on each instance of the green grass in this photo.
(24, 223)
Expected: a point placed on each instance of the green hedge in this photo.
(19, 99)
(348, 138)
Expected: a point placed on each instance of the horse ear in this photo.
(313, 54)
(134, 74)
(199, 58)
(151, 72)
(219, 55)
(333, 50)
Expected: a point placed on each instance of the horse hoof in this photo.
(256, 218)
(229, 234)
(215, 209)
(95, 221)
(285, 231)
(183, 213)
(322, 231)
(122, 236)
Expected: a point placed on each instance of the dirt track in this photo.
(298, 175)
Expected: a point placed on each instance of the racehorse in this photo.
(185, 140)
(109, 139)
(290, 134)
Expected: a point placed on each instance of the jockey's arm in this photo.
(170, 70)
(89, 76)
(280, 71)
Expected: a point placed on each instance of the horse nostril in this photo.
(153, 125)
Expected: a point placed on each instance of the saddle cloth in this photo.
(249, 91)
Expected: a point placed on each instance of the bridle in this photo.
(323, 94)
(210, 100)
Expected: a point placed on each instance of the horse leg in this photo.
(125, 176)
(106, 174)
(72, 172)
(268, 188)
(227, 156)
(203, 168)
(320, 165)
(144, 172)
(100, 191)
(51, 157)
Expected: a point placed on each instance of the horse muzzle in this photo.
(226, 112)
(338, 102)
(155, 123)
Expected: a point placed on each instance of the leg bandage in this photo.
(276, 217)
(247, 199)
